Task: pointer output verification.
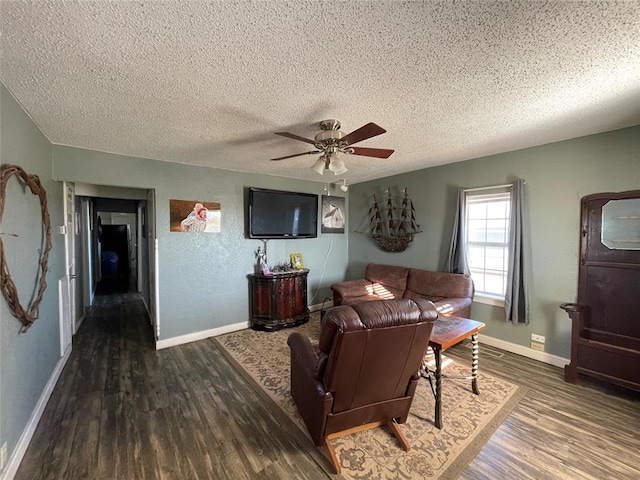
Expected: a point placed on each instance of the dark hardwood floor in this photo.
(559, 431)
(122, 410)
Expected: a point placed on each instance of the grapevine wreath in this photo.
(9, 290)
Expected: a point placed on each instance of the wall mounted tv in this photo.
(279, 214)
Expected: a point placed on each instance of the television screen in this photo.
(279, 214)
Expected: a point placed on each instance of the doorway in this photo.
(116, 220)
(117, 239)
(118, 244)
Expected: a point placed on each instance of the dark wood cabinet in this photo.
(605, 334)
(279, 300)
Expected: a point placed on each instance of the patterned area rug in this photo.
(469, 420)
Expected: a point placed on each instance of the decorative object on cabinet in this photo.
(605, 333)
(264, 269)
(296, 261)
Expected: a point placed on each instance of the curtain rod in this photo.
(506, 185)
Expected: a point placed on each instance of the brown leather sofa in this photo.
(364, 371)
(451, 293)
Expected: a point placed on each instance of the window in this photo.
(487, 217)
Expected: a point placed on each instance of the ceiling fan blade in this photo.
(367, 131)
(372, 152)
(296, 137)
(296, 155)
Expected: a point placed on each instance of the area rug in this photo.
(469, 420)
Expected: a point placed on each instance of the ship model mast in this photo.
(391, 225)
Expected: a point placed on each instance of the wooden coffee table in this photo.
(447, 332)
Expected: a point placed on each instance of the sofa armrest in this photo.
(350, 288)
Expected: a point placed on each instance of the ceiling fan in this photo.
(331, 141)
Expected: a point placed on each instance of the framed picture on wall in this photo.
(194, 216)
(333, 214)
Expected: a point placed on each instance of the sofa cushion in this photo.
(460, 307)
(419, 296)
(388, 281)
(352, 288)
(432, 285)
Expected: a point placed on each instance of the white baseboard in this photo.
(318, 306)
(30, 428)
(194, 337)
(146, 307)
(524, 351)
(214, 332)
(79, 323)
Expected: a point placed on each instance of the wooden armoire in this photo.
(605, 337)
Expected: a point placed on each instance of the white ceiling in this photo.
(209, 82)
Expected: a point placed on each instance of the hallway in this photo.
(116, 289)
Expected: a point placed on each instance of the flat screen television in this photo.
(280, 214)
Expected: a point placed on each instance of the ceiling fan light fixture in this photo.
(319, 165)
(330, 141)
(344, 187)
(337, 166)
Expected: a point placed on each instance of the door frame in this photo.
(70, 231)
(147, 249)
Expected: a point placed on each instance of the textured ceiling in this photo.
(208, 83)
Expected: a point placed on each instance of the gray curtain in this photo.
(516, 302)
(456, 261)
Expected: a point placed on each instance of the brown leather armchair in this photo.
(364, 371)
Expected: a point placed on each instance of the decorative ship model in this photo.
(391, 224)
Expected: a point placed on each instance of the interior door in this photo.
(610, 266)
(605, 334)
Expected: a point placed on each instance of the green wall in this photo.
(27, 360)
(203, 277)
(557, 176)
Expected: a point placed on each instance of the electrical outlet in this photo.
(537, 338)
(537, 346)
(3, 455)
